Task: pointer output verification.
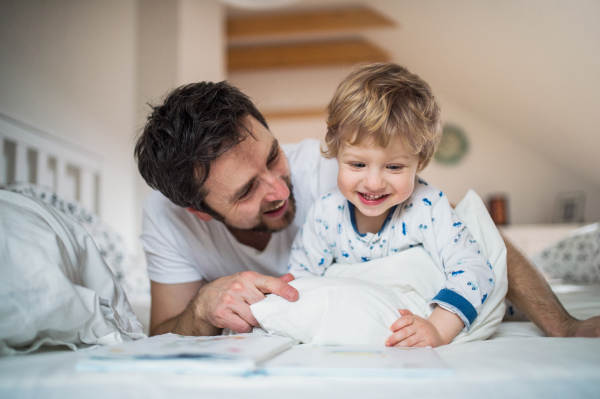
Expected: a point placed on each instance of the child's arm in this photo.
(469, 275)
(439, 329)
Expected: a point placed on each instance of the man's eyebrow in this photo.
(274, 148)
(242, 190)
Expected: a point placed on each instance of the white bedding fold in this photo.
(55, 287)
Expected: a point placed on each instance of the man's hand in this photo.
(225, 302)
(410, 330)
(198, 308)
(589, 328)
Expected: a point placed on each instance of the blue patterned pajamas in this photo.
(329, 235)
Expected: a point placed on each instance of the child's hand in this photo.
(410, 330)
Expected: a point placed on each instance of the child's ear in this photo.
(205, 217)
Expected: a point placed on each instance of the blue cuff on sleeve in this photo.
(457, 302)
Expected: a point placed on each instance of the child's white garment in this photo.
(329, 235)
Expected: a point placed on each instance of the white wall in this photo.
(496, 163)
(67, 68)
(84, 71)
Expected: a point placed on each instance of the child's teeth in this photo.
(373, 197)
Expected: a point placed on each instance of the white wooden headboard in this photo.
(30, 155)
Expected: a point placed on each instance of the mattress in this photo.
(516, 361)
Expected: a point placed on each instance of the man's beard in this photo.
(262, 227)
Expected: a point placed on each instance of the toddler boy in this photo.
(383, 127)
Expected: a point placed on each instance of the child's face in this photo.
(374, 178)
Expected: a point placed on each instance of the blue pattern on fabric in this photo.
(427, 202)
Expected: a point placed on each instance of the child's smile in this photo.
(372, 199)
(375, 179)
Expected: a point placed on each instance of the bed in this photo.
(518, 360)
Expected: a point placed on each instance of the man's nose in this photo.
(278, 190)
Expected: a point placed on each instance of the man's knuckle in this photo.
(247, 275)
(228, 299)
(237, 286)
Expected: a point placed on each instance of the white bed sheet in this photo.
(516, 361)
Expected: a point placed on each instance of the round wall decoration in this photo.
(453, 146)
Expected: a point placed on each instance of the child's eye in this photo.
(395, 167)
(357, 165)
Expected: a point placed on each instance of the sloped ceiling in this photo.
(529, 67)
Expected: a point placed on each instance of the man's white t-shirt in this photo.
(181, 248)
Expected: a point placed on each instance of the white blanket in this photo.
(356, 304)
(55, 288)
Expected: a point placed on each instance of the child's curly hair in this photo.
(383, 101)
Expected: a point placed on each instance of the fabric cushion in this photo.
(128, 270)
(352, 305)
(574, 259)
(55, 287)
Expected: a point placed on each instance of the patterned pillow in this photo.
(574, 259)
(127, 269)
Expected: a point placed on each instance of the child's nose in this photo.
(374, 182)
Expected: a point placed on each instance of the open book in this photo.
(169, 353)
(247, 354)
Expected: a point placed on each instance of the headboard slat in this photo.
(30, 155)
(21, 165)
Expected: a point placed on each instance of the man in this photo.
(230, 201)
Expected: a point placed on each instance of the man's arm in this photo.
(529, 291)
(198, 308)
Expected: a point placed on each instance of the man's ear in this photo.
(205, 217)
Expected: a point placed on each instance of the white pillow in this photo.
(352, 305)
(55, 288)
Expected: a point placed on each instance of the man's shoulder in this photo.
(312, 173)
(304, 155)
(160, 209)
(157, 201)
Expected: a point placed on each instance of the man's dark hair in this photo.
(194, 125)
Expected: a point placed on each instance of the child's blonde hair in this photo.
(381, 102)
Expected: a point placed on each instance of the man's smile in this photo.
(278, 210)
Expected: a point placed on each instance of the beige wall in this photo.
(496, 163)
